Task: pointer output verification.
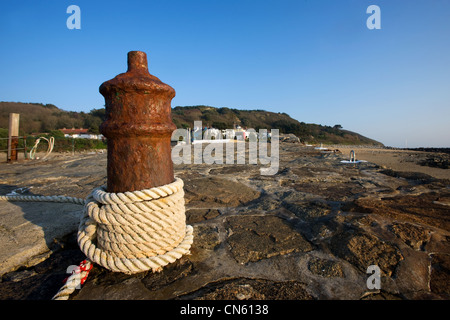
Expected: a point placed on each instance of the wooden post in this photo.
(25, 151)
(13, 136)
(138, 128)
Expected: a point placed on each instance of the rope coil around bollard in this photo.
(128, 232)
(137, 231)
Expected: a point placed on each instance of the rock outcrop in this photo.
(308, 232)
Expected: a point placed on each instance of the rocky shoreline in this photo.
(308, 232)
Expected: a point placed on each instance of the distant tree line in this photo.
(45, 118)
(40, 118)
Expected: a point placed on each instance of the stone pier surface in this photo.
(308, 232)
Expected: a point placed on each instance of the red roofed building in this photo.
(74, 131)
(80, 133)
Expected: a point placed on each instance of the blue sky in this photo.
(313, 59)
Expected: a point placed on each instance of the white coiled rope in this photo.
(128, 232)
(50, 142)
(137, 231)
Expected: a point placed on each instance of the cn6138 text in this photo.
(246, 309)
(229, 309)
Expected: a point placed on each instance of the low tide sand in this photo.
(397, 160)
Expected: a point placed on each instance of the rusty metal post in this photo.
(13, 136)
(138, 128)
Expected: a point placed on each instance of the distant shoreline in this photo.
(443, 150)
(424, 149)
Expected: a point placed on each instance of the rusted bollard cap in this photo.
(135, 101)
(138, 127)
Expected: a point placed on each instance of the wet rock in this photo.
(363, 250)
(325, 268)
(253, 289)
(207, 236)
(311, 230)
(380, 295)
(437, 161)
(289, 138)
(214, 191)
(438, 243)
(321, 231)
(440, 274)
(105, 285)
(414, 236)
(130, 288)
(411, 208)
(233, 169)
(43, 280)
(333, 191)
(303, 172)
(197, 215)
(266, 203)
(310, 210)
(417, 176)
(252, 238)
(293, 197)
(179, 269)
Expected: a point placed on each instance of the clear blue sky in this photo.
(313, 59)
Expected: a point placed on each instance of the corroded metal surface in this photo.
(138, 127)
(14, 141)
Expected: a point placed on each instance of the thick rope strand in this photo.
(61, 199)
(77, 278)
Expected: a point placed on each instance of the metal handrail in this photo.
(13, 137)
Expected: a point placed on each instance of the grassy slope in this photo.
(35, 117)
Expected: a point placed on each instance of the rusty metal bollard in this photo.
(138, 128)
(13, 137)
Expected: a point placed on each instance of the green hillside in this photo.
(226, 118)
(37, 117)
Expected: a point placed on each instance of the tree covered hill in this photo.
(227, 118)
(37, 117)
